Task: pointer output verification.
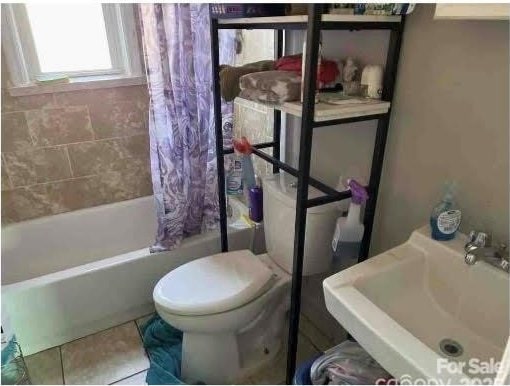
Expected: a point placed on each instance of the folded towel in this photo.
(229, 76)
(328, 71)
(271, 86)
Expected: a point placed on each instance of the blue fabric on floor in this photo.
(9, 351)
(164, 346)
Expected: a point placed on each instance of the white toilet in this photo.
(232, 306)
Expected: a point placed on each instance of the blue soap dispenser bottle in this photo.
(445, 217)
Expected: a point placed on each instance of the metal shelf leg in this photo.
(312, 47)
(215, 55)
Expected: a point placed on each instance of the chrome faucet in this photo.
(478, 248)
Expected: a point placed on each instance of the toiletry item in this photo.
(359, 9)
(343, 184)
(445, 218)
(341, 9)
(243, 149)
(349, 230)
(350, 70)
(248, 171)
(235, 176)
(256, 204)
(371, 81)
(350, 83)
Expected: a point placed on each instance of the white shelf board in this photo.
(304, 19)
(325, 111)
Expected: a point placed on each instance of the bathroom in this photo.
(84, 242)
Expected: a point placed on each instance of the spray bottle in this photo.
(242, 148)
(349, 230)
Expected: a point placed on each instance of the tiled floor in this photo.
(117, 356)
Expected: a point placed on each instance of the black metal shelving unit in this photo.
(313, 24)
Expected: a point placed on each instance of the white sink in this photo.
(401, 304)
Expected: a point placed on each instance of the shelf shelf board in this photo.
(331, 21)
(325, 112)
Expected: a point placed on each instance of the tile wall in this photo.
(73, 150)
(253, 120)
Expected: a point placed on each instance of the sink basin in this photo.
(423, 313)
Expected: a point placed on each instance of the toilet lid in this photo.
(213, 284)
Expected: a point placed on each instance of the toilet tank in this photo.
(280, 192)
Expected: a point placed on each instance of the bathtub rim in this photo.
(108, 262)
(112, 261)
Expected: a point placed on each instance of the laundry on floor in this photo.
(164, 346)
(347, 364)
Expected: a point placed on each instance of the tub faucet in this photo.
(478, 248)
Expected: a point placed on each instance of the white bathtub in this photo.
(73, 274)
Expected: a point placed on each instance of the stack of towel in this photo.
(271, 86)
(271, 81)
(229, 76)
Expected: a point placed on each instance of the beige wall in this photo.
(342, 149)
(450, 121)
(72, 150)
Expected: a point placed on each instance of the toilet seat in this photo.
(213, 284)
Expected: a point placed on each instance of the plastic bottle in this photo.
(445, 217)
(256, 202)
(349, 230)
(242, 149)
(235, 176)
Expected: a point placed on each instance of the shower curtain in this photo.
(177, 52)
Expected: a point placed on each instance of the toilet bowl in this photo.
(235, 328)
(232, 306)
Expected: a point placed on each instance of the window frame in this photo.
(23, 64)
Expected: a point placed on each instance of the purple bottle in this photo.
(255, 204)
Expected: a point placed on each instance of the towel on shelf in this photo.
(229, 76)
(328, 69)
(271, 86)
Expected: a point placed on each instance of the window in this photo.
(85, 42)
(78, 28)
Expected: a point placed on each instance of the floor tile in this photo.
(141, 321)
(105, 357)
(274, 373)
(45, 367)
(316, 337)
(137, 379)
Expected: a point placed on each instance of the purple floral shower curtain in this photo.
(176, 40)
